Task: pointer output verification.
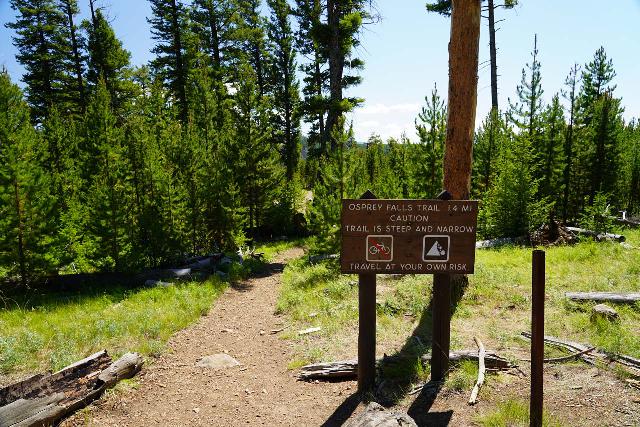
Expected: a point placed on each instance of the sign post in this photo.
(441, 326)
(367, 325)
(537, 337)
(406, 237)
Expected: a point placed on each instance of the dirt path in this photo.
(261, 391)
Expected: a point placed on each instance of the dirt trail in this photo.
(261, 391)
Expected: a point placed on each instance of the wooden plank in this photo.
(604, 296)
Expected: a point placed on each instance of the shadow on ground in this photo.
(57, 291)
(399, 371)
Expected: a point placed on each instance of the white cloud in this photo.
(385, 120)
(386, 109)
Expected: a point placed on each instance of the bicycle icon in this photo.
(379, 248)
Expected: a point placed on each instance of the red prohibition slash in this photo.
(379, 248)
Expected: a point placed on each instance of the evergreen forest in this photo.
(107, 166)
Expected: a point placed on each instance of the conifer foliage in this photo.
(109, 167)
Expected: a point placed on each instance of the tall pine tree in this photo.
(285, 86)
(42, 50)
(25, 201)
(168, 26)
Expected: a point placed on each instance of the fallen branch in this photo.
(597, 236)
(564, 358)
(309, 331)
(492, 360)
(276, 331)
(476, 388)
(501, 241)
(348, 369)
(591, 355)
(44, 399)
(314, 259)
(628, 222)
(344, 369)
(603, 296)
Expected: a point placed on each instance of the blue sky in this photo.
(406, 53)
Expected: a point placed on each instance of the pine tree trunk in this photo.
(290, 143)
(463, 90)
(180, 68)
(76, 56)
(599, 165)
(336, 68)
(93, 13)
(568, 152)
(493, 58)
(321, 123)
(533, 100)
(215, 38)
(47, 69)
(19, 216)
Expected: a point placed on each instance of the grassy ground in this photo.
(41, 331)
(513, 413)
(495, 307)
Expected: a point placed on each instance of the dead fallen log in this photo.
(476, 388)
(592, 355)
(501, 241)
(604, 296)
(628, 222)
(348, 369)
(491, 359)
(45, 399)
(345, 369)
(589, 357)
(572, 356)
(600, 237)
(314, 259)
(197, 268)
(552, 233)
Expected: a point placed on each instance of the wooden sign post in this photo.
(407, 237)
(366, 325)
(537, 337)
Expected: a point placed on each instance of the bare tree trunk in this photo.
(77, 63)
(568, 144)
(493, 56)
(21, 255)
(463, 91)
(215, 37)
(180, 67)
(336, 69)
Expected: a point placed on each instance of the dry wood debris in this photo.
(44, 399)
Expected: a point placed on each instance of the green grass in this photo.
(52, 332)
(47, 331)
(462, 377)
(317, 295)
(502, 286)
(271, 249)
(513, 413)
(495, 307)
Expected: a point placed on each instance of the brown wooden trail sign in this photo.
(408, 236)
